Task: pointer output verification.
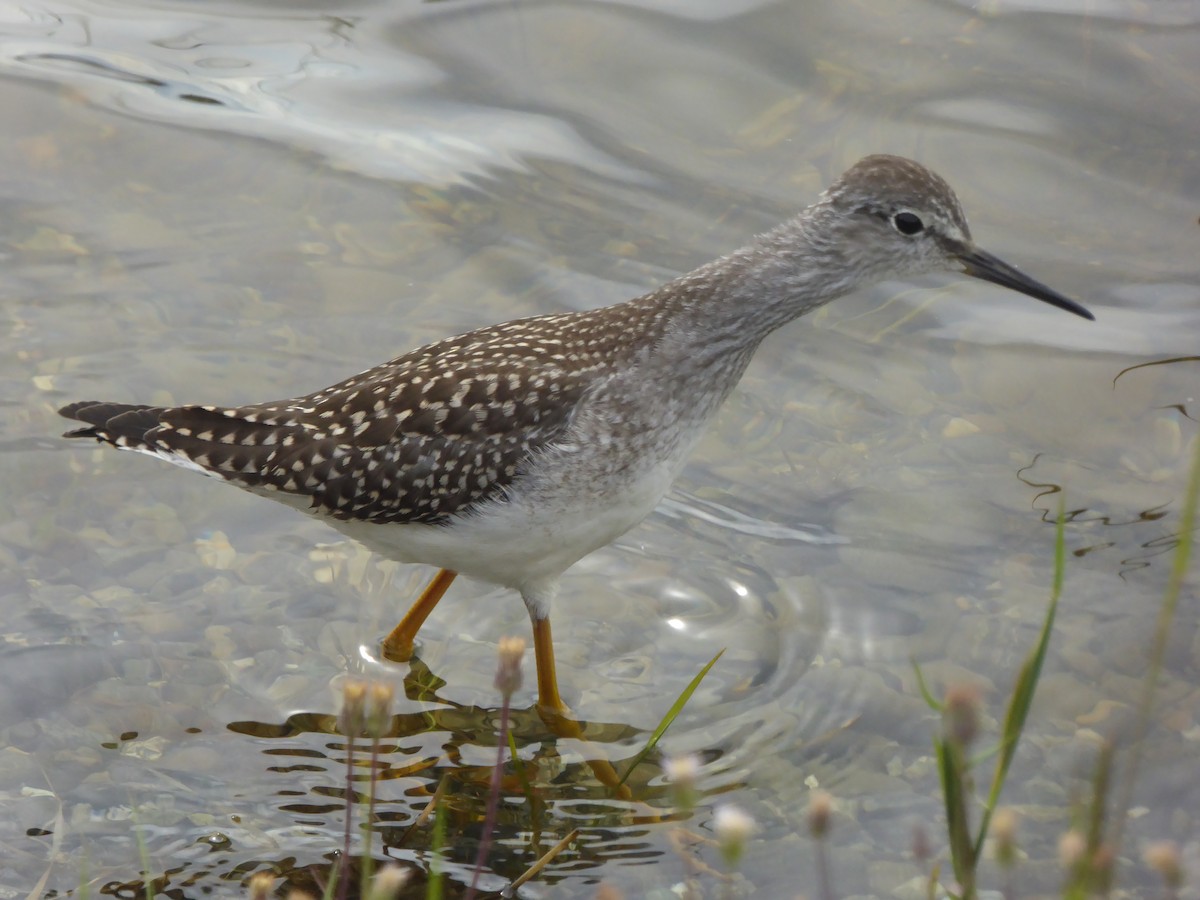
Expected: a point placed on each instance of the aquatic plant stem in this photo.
(434, 889)
(377, 722)
(824, 879)
(368, 825)
(344, 875)
(493, 802)
(354, 692)
(544, 860)
(1158, 648)
(508, 681)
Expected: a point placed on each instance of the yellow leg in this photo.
(398, 646)
(547, 677)
(555, 713)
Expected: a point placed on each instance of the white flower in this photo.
(733, 828)
(682, 770)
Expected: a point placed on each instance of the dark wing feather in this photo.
(123, 425)
(417, 439)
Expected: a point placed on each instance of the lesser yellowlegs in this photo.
(510, 452)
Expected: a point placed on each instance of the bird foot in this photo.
(396, 651)
(559, 719)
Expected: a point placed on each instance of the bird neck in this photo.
(724, 309)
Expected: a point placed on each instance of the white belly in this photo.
(574, 497)
(527, 541)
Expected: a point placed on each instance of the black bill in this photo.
(981, 264)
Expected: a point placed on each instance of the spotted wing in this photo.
(417, 439)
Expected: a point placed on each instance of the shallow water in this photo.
(224, 202)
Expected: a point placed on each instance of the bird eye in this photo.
(908, 223)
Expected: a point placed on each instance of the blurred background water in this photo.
(230, 202)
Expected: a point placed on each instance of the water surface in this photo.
(229, 202)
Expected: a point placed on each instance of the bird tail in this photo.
(123, 425)
(244, 445)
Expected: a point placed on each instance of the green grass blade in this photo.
(926, 694)
(962, 854)
(672, 713)
(1101, 785)
(143, 852)
(519, 766)
(1026, 684)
